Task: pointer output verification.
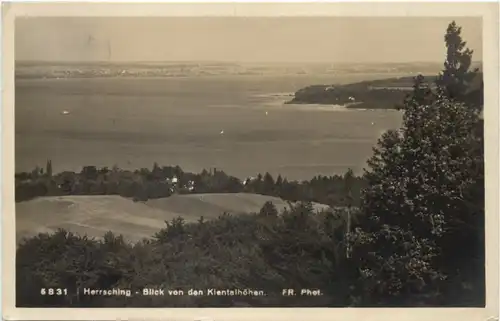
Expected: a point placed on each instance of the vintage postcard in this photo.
(219, 161)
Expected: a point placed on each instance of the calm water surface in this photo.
(178, 121)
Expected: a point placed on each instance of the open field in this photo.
(214, 204)
(95, 215)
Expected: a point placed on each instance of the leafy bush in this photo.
(297, 248)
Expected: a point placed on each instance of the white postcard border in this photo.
(489, 13)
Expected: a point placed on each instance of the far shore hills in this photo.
(54, 70)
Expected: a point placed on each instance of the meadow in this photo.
(95, 215)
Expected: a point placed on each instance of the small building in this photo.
(248, 180)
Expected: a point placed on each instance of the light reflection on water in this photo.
(136, 122)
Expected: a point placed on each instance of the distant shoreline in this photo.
(380, 94)
(40, 70)
(206, 75)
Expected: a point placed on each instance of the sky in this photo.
(258, 40)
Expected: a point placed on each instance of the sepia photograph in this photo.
(232, 161)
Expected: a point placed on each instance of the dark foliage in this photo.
(422, 238)
(364, 93)
(144, 184)
(296, 249)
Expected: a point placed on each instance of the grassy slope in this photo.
(215, 204)
(95, 215)
(91, 215)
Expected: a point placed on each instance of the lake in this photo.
(235, 123)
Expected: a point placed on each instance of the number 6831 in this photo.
(53, 291)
